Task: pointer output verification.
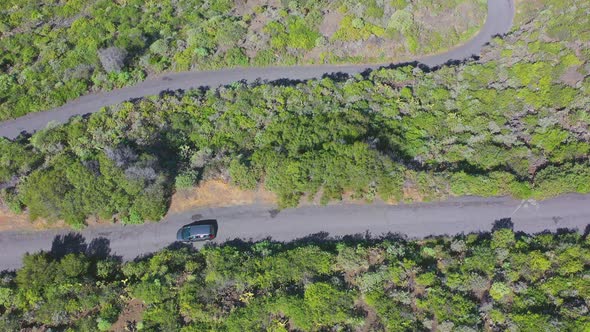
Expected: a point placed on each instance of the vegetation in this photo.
(499, 281)
(476, 129)
(52, 52)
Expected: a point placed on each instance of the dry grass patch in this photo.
(131, 314)
(11, 222)
(217, 193)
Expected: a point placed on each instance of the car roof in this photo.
(200, 229)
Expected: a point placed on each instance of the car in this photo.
(193, 233)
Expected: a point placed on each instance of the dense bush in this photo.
(54, 52)
(481, 128)
(499, 281)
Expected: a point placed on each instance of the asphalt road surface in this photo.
(256, 222)
(499, 21)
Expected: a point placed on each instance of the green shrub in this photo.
(401, 21)
(300, 35)
(242, 176)
(503, 238)
(186, 179)
(327, 305)
(236, 57)
(399, 4)
(374, 10)
(500, 291)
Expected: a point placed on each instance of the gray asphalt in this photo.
(499, 21)
(257, 222)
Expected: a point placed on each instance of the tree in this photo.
(326, 304)
(112, 58)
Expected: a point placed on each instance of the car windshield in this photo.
(186, 233)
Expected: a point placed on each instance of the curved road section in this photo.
(498, 22)
(257, 222)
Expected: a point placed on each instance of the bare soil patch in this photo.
(524, 10)
(11, 222)
(371, 318)
(411, 193)
(572, 76)
(217, 193)
(131, 315)
(331, 22)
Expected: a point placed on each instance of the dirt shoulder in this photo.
(216, 193)
(209, 194)
(13, 222)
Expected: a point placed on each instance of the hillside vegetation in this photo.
(496, 282)
(54, 51)
(515, 123)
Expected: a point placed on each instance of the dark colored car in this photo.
(192, 233)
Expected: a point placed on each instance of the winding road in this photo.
(498, 22)
(256, 222)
